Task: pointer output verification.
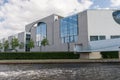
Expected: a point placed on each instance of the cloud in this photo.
(100, 8)
(17, 13)
(115, 3)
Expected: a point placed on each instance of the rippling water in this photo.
(82, 71)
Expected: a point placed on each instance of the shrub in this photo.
(108, 55)
(39, 55)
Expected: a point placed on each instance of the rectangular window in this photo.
(93, 38)
(63, 40)
(115, 36)
(102, 37)
(68, 27)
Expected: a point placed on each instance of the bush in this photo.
(109, 55)
(38, 55)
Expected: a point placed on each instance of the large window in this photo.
(28, 36)
(69, 29)
(41, 32)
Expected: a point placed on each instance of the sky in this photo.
(15, 14)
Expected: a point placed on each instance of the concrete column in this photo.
(95, 55)
(92, 55)
(84, 55)
(119, 54)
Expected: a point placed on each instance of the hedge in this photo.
(109, 55)
(38, 55)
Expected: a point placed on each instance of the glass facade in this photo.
(69, 29)
(41, 32)
(28, 36)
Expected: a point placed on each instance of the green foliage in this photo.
(6, 45)
(30, 44)
(38, 55)
(21, 45)
(44, 42)
(14, 43)
(1, 46)
(109, 55)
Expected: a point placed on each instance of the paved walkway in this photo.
(53, 61)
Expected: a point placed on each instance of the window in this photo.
(41, 33)
(115, 36)
(102, 37)
(28, 36)
(69, 29)
(95, 38)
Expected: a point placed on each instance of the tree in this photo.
(44, 42)
(30, 44)
(14, 44)
(21, 45)
(1, 46)
(6, 45)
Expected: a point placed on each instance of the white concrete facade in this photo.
(90, 23)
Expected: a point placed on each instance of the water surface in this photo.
(79, 71)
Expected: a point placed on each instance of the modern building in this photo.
(88, 33)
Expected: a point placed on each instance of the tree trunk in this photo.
(40, 48)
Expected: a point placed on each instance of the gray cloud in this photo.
(18, 13)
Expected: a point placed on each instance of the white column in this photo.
(119, 54)
(95, 55)
(92, 55)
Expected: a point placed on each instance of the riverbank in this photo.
(55, 61)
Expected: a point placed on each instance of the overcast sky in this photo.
(15, 14)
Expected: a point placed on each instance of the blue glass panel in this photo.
(68, 27)
(41, 33)
(71, 39)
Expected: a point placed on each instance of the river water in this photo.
(77, 71)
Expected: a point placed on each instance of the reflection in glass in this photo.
(40, 32)
(69, 29)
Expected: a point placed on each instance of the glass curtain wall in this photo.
(69, 29)
(41, 32)
(28, 36)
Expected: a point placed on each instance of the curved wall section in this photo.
(116, 16)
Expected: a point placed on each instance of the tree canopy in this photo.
(44, 42)
(6, 45)
(14, 43)
(21, 45)
(31, 44)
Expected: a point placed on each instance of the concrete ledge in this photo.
(58, 61)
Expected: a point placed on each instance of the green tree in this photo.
(1, 46)
(14, 44)
(44, 42)
(6, 45)
(21, 45)
(30, 44)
